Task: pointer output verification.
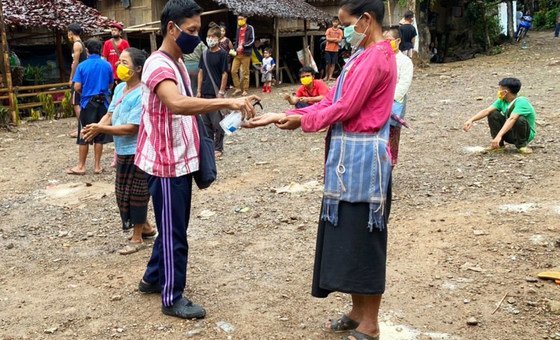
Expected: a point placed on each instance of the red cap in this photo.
(118, 25)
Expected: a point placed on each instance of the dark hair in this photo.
(138, 57)
(93, 46)
(214, 31)
(177, 11)
(395, 31)
(306, 69)
(358, 7)
(241, 16)
(512, 84)
(335, 19)
(408, 15)
(75, 28)
(268, 50)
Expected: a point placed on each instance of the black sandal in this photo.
(355, 335)
(344, 324)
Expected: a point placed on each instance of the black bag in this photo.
(207, 172)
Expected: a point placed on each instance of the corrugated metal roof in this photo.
(287, 9)
(53, 14)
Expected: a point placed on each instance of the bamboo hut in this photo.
(28, 16)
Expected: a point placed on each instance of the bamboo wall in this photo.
(140, 12)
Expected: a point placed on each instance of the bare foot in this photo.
(76, 171)
(244, 94)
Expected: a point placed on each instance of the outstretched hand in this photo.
(263, 120)
(291, 122)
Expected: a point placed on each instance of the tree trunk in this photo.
(487, 42)
(424, 35)
(510, 20)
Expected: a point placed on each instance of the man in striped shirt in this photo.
(168, 151)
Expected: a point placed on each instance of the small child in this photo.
(268, 65)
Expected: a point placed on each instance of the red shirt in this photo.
(336, 34)
(241, 40)
(319, 89)
(168, 144)
(111, 56)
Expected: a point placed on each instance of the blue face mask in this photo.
(352, 37)
(186, 42)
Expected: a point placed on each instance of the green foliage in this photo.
(67, 109)
(35, 74)
(34, 115)
(546, 17)
(48, 105)
(4, 116)
(476, 13)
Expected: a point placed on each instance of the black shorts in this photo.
(76, 96)
(92, 113)
(331, 58)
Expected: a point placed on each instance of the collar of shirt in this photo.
(94, 56)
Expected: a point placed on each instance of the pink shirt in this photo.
(367, 95)
(168, 144)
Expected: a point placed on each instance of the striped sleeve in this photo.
(158, 72)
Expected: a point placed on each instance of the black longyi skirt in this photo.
(349, 258)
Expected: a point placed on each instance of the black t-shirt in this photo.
(218, 64)
(408, 32)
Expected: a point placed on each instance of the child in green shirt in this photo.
(512, 119)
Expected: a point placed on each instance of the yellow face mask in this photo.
(306, 80)
(395, 45)
(241, 22)
(501, 94)
(124, 73)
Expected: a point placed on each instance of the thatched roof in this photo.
(288, 9)
(53, 14)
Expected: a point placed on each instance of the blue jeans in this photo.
(557, 30)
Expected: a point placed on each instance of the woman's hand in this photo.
(91, 131)
(263, 120)
(291, 122)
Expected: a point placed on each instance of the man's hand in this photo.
(245, 105)
(263, 120)
(495, 142)
(468, 125)
(91, 131)
(291, 122)
(198, 94)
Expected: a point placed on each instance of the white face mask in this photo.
(356, 38)
(211, 42)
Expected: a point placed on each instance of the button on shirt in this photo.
(95, 75)
(126, 110)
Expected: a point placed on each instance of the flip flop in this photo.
(355, 335)
(132, 248)
(344, 324)
(549, 275)
(99, 172)
(147, 235)
(74, 172)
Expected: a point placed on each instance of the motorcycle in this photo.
(525, 24)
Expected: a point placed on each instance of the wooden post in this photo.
(277, 47)
(60, 56)
(306, 60)
(7, 69)
(153, 42)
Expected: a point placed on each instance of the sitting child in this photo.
(311, 91)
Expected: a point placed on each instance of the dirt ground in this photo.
(466, 229)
